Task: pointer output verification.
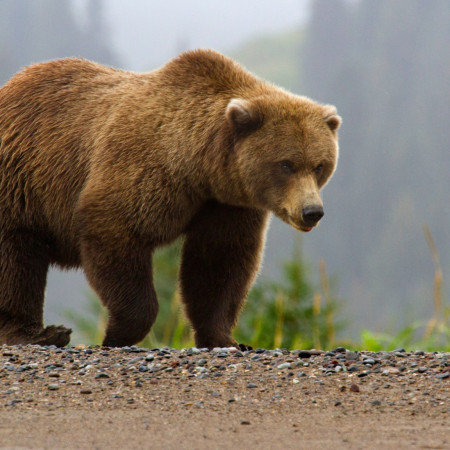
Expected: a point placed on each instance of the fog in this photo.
(146, 34)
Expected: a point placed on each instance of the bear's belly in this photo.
(167, 227)
(64, 252)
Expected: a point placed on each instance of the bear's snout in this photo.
(312, 214)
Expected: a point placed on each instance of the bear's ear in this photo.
(331, 117)
(243, 115)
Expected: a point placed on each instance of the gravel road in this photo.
(96, 397)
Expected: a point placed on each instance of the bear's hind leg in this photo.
(221, 256)
(24, 262)
(124, 284)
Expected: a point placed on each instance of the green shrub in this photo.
(290, 313)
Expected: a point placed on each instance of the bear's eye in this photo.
(287, 167)
(318, 170)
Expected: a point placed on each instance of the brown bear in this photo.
(99, 166)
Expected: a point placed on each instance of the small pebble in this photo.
(391, 371)
(102, 375)
(443, 376)
(369, 361)
(339, 350)
(351, 356)
(193, 351)
(284, 366)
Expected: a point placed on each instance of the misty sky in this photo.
(146, 33)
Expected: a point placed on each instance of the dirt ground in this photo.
(190, 399)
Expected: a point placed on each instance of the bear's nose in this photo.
(312, 214)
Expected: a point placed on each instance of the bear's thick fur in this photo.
(99, 166)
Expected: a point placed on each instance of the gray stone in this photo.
(284, 366)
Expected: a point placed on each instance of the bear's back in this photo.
(46, 114)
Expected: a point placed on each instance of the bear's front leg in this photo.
(121, 275)
(221, 256)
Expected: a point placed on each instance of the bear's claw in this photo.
(244, 347)
(53, 335)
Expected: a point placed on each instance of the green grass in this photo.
(412, 337)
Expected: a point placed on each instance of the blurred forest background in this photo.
(385, 64)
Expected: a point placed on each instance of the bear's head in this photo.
(286, 150)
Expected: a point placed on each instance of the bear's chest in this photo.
(167, 217)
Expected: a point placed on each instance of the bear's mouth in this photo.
(285, 217)
(303, 228)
